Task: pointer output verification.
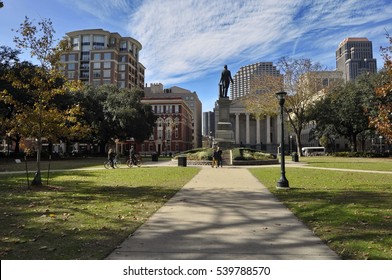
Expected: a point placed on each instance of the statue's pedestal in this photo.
(224, 134)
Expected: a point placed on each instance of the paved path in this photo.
(223, 213)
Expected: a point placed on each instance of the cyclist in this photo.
(132, 155)
(111, 156)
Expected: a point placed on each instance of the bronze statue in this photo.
(224, 82)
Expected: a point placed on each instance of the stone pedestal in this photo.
(224, 134)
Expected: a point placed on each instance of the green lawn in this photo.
(83, 214)
(351, 212)
(380, 164)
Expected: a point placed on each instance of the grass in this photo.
(82, 214)
(380, 164)
(351, 212)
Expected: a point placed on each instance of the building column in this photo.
(268, 129)
(237, 128)
(247, 141)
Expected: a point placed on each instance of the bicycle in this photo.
(136, 161)
(116, 163)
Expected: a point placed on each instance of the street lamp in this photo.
(380, 143)
(283, 183)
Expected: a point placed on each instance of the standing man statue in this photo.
(224, 82)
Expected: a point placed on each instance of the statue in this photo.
(224, 82)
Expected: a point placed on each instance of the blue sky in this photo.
(186, 43)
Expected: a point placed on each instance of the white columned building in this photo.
(251, 132)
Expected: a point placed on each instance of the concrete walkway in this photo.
(223, 213)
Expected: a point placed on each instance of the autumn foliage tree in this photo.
(382, 120)
(300, 80)
(40, 117)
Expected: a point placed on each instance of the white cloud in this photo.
(184, 39)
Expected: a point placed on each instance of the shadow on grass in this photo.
(75, 219)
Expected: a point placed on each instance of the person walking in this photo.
(220, 159)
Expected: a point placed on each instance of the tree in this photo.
(42, 119)
(343, 109)
(1, 4)
(116, 114)
(382, 118)
(302, 83)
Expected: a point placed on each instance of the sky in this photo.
(186, 43)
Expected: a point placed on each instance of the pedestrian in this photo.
(215, 158)
(220, 160)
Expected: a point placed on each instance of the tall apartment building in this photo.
(354, 57)
(99, 57)
(243, 78)
(184, 101)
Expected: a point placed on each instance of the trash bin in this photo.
(182, 161)
(295, 157)
(154, 157)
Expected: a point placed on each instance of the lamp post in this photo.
(380, 143)
(283, 183)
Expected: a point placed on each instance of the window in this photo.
(71, 75)
(106, 73)
(121, 76)
(85, 56)
(121, 67)
(123, 58)
(72, 57)
(98, 42)
(97, 74)
(123, 46)
(107, 65)
(85, 66)
(107, 56)
(97, 56)
(62, 58)
(75, 43)
(71, 66)
(97, 65)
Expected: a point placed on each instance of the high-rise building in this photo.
(99, 57)
(354, 57)
(208, 123)
(243, 78)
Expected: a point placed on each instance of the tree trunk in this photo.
(37, 181)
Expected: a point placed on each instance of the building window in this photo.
(97, 56)
(97, 74)
(71, 66)
(123, 58)
(121, 67)
(98, 42)
(106, 73)
(75, 43)
(97, 65)
(107, 56)
(72, 57)
(71, 75)
(107, 65)
(123, 46)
